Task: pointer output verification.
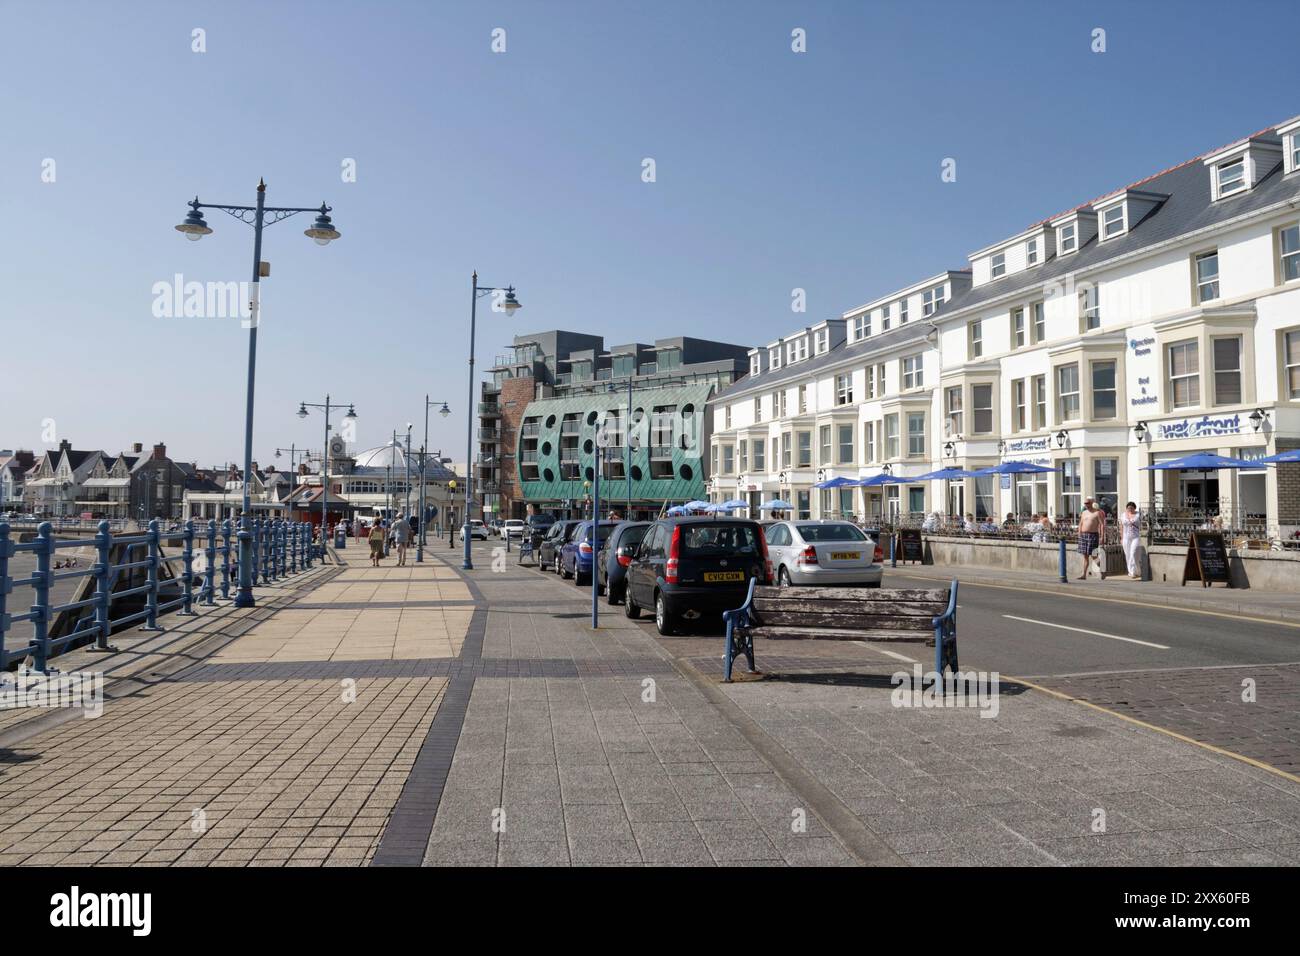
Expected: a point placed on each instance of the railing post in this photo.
(306, 543)
(209, 573)
(225, 559)
(266, 551)
(284, 547)
(272, 532)
(155, 559)
(893, 546)
(41, 585)
(293, 547)
(5, 546)
(1065, 578)
(187, 578)
(103, 585)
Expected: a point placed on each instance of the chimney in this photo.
(137, 448)
(26, 458)
(65, 445)
(160, 451)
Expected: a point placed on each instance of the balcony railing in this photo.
(569, 455)
(530, 429)
(661, 452)
(489, 435)
(490, 487)
(528, 454)
(489, 409)
(570, 428)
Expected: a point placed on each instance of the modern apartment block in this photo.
(1158, 320)
(541, 410)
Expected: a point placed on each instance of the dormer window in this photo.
(774, 357)
(884, 318)
(902, 312)
(1031, 252)
(998, 265)
(931, 300)
(822, 341)
(753, 365)
(1112, 222)
(1231, 177)
(861, 326)
(1067, 239)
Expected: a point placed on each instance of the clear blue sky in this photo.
(775, 170)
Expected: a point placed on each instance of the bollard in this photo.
(5, 545)
(893, 550)
(103, 587)
(225, 559)
(1065, 579)
(155, 559)
(187, 578)
(41, 581)
(209, 572)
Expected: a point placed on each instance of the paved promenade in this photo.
(399, 716)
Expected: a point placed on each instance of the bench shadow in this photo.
(880, 681)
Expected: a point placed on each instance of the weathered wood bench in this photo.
(909, 615)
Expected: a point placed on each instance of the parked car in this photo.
(548, 551)
(618, 556)
(512, 528)
(688, 568)
(823, 552)
(475, 529)
(576, 558)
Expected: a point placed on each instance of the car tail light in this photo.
(674, 551)
(624, 559)
(767, 561)
(809, 555)
(879, 554)
(585, 547)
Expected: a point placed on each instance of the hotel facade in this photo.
(1156, 321)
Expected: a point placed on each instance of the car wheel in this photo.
(577, 577)
(783, 578)
(559, 567)
(663, 620)
(611, 595)
(629, 606)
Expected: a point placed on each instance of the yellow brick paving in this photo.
(225, 773)
(376, 633)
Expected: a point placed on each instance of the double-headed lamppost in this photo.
(509, 305)
(195, 228)
(325, 463)
(293, 457)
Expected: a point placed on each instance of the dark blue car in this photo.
(618, 553)
(576, 554)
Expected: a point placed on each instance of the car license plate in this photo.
(846, 555)
(713, 576)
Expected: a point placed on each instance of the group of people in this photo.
(382, 534)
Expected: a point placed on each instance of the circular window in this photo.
(686, 473)
(591, 418)
(546, 448)
(587, 446)
(550, 421)
(548, 474)
(688, 410)
(591, 474)
(636, 472)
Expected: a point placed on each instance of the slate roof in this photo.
(1188, 209)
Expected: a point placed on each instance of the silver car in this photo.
(823, 552)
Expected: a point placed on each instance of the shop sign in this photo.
(1199, 427)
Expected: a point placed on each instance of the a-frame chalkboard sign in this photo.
(1207, 559)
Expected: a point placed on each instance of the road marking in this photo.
(1169, 733)
(1081, 630)
(880, 650)
(1277, 622)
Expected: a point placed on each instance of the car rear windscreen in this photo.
(633, 536)
(830, 532)
(705, 540)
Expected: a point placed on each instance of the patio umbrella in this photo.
(776, 504)
(697, 505)
(676, 511)
(876, 480)
(1282, 457)
(836, 483)
(735, 503)
(944, 473)
(1017, 468)
(1202, 461)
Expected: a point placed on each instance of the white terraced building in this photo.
(1159, 320)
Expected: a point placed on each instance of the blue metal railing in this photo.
(281, 548)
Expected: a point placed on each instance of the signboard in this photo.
(1207, 559)
(1202, 427)
(908, 545)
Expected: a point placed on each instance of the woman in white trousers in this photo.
(1131, 536)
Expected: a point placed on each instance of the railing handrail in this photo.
(283, 547)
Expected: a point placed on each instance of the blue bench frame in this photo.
(945, 634)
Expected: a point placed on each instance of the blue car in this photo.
(574, 559)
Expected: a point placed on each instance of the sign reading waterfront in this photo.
(1200, 427)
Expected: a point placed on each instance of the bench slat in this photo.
(826, 634)
(863, 595)
(926, 610)
(830, 620)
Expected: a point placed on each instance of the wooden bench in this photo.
(906, 615)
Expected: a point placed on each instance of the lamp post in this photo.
(444, 412)
(194, 227)
(325, 462)
(293, 469)
(509, 305)
(408, 473)
(451, 526)
(419, 541)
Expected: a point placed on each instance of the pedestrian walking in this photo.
(401, 531)
(376, 539)
(1092, 528)
(1130, 524)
